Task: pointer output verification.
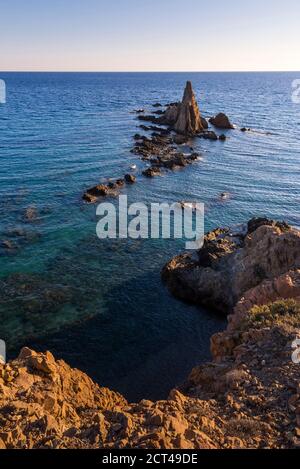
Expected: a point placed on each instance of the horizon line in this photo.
(149, 71)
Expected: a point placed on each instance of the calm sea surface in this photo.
(101, 305)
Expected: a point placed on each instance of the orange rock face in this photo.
(247, 397)
(188, 120)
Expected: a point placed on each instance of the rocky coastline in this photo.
(248, 396)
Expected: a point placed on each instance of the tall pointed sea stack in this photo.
(189, 120)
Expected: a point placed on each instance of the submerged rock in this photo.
(31, 214)
(8, 245)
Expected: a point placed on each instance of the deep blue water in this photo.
(101, 305)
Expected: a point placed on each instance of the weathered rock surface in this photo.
(188, 121)
(110, 189)
(221, 121)
(231, 263)
(161, 153)
(152, 172)
(183, 117)
(130, 178)
(247, 397)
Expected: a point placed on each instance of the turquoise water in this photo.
(101, 305)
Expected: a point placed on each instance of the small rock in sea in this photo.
(189, 205)
(157, 105)
(139, 111)
(89, 198)
(31, 214)
(209, 135)
(149, 118)
(120, 182)
(7, 244)
(221, 121)
(222, 137)
(224, 196)
(194, 156)
(130, 179)
(245, 129)
(151, 172)
(100, 190)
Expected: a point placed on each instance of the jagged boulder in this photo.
(221, 121)
(189, 120)
(231, 263)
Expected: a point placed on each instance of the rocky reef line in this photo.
(248, 396)
(179, 124)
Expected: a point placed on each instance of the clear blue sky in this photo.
(145, 35)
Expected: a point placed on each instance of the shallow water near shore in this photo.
(100, 305)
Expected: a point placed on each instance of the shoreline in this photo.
(252, 370)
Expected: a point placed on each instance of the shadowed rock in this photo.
(221, 121)
(231, 262)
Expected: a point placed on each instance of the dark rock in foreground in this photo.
(247, 397)
(232, 262)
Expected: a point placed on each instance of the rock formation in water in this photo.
(247, 397)
(188, 121)
(232, 262)
(185, 117)
(221, 121)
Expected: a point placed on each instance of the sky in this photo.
(149, 35)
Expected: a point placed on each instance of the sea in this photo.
(100, 304)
